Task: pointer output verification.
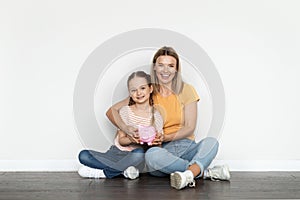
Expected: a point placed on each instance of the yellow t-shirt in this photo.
(172, 108)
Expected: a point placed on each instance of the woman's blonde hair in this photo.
(177, 82)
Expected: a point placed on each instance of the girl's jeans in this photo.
(180, 154)
(114, 161)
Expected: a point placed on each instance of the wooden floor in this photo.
(69, 186)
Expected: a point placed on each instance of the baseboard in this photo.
(260, 165)
(73, 165)
(38, 165)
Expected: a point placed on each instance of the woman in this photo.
(180, 156)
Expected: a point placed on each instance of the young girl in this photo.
(126, 156)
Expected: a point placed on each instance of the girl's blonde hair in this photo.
(177, 82)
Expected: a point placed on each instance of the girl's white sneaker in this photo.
(88, 172)
(131, 172)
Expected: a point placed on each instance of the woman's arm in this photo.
(115, 118)
(190, 120)
(113, 112)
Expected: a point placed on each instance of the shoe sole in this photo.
(132, 173)
(176, 181)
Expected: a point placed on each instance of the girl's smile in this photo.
(139, 90)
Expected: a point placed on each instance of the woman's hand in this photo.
(158, 140)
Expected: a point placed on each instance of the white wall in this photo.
(254, 44)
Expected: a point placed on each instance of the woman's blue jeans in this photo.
(114, 161)
(180, 154)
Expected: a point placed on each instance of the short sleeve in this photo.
(188, 94)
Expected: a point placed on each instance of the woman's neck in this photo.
(165, 90)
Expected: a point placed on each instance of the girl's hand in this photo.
(134, 140)
(132, 131)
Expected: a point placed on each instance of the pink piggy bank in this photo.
(147, 134)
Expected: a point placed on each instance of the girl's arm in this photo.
(115, 118)
(190, 120)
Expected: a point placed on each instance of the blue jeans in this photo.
(180, 154)
(114, 161)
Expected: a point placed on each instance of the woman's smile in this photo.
(165, 68)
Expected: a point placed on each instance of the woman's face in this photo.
(139, 90)
(165, 69)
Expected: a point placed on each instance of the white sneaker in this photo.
(180, 180)
(131, 172)
(219, 172)
(88, 172)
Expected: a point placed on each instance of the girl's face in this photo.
(165, 69)
(139, 90)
